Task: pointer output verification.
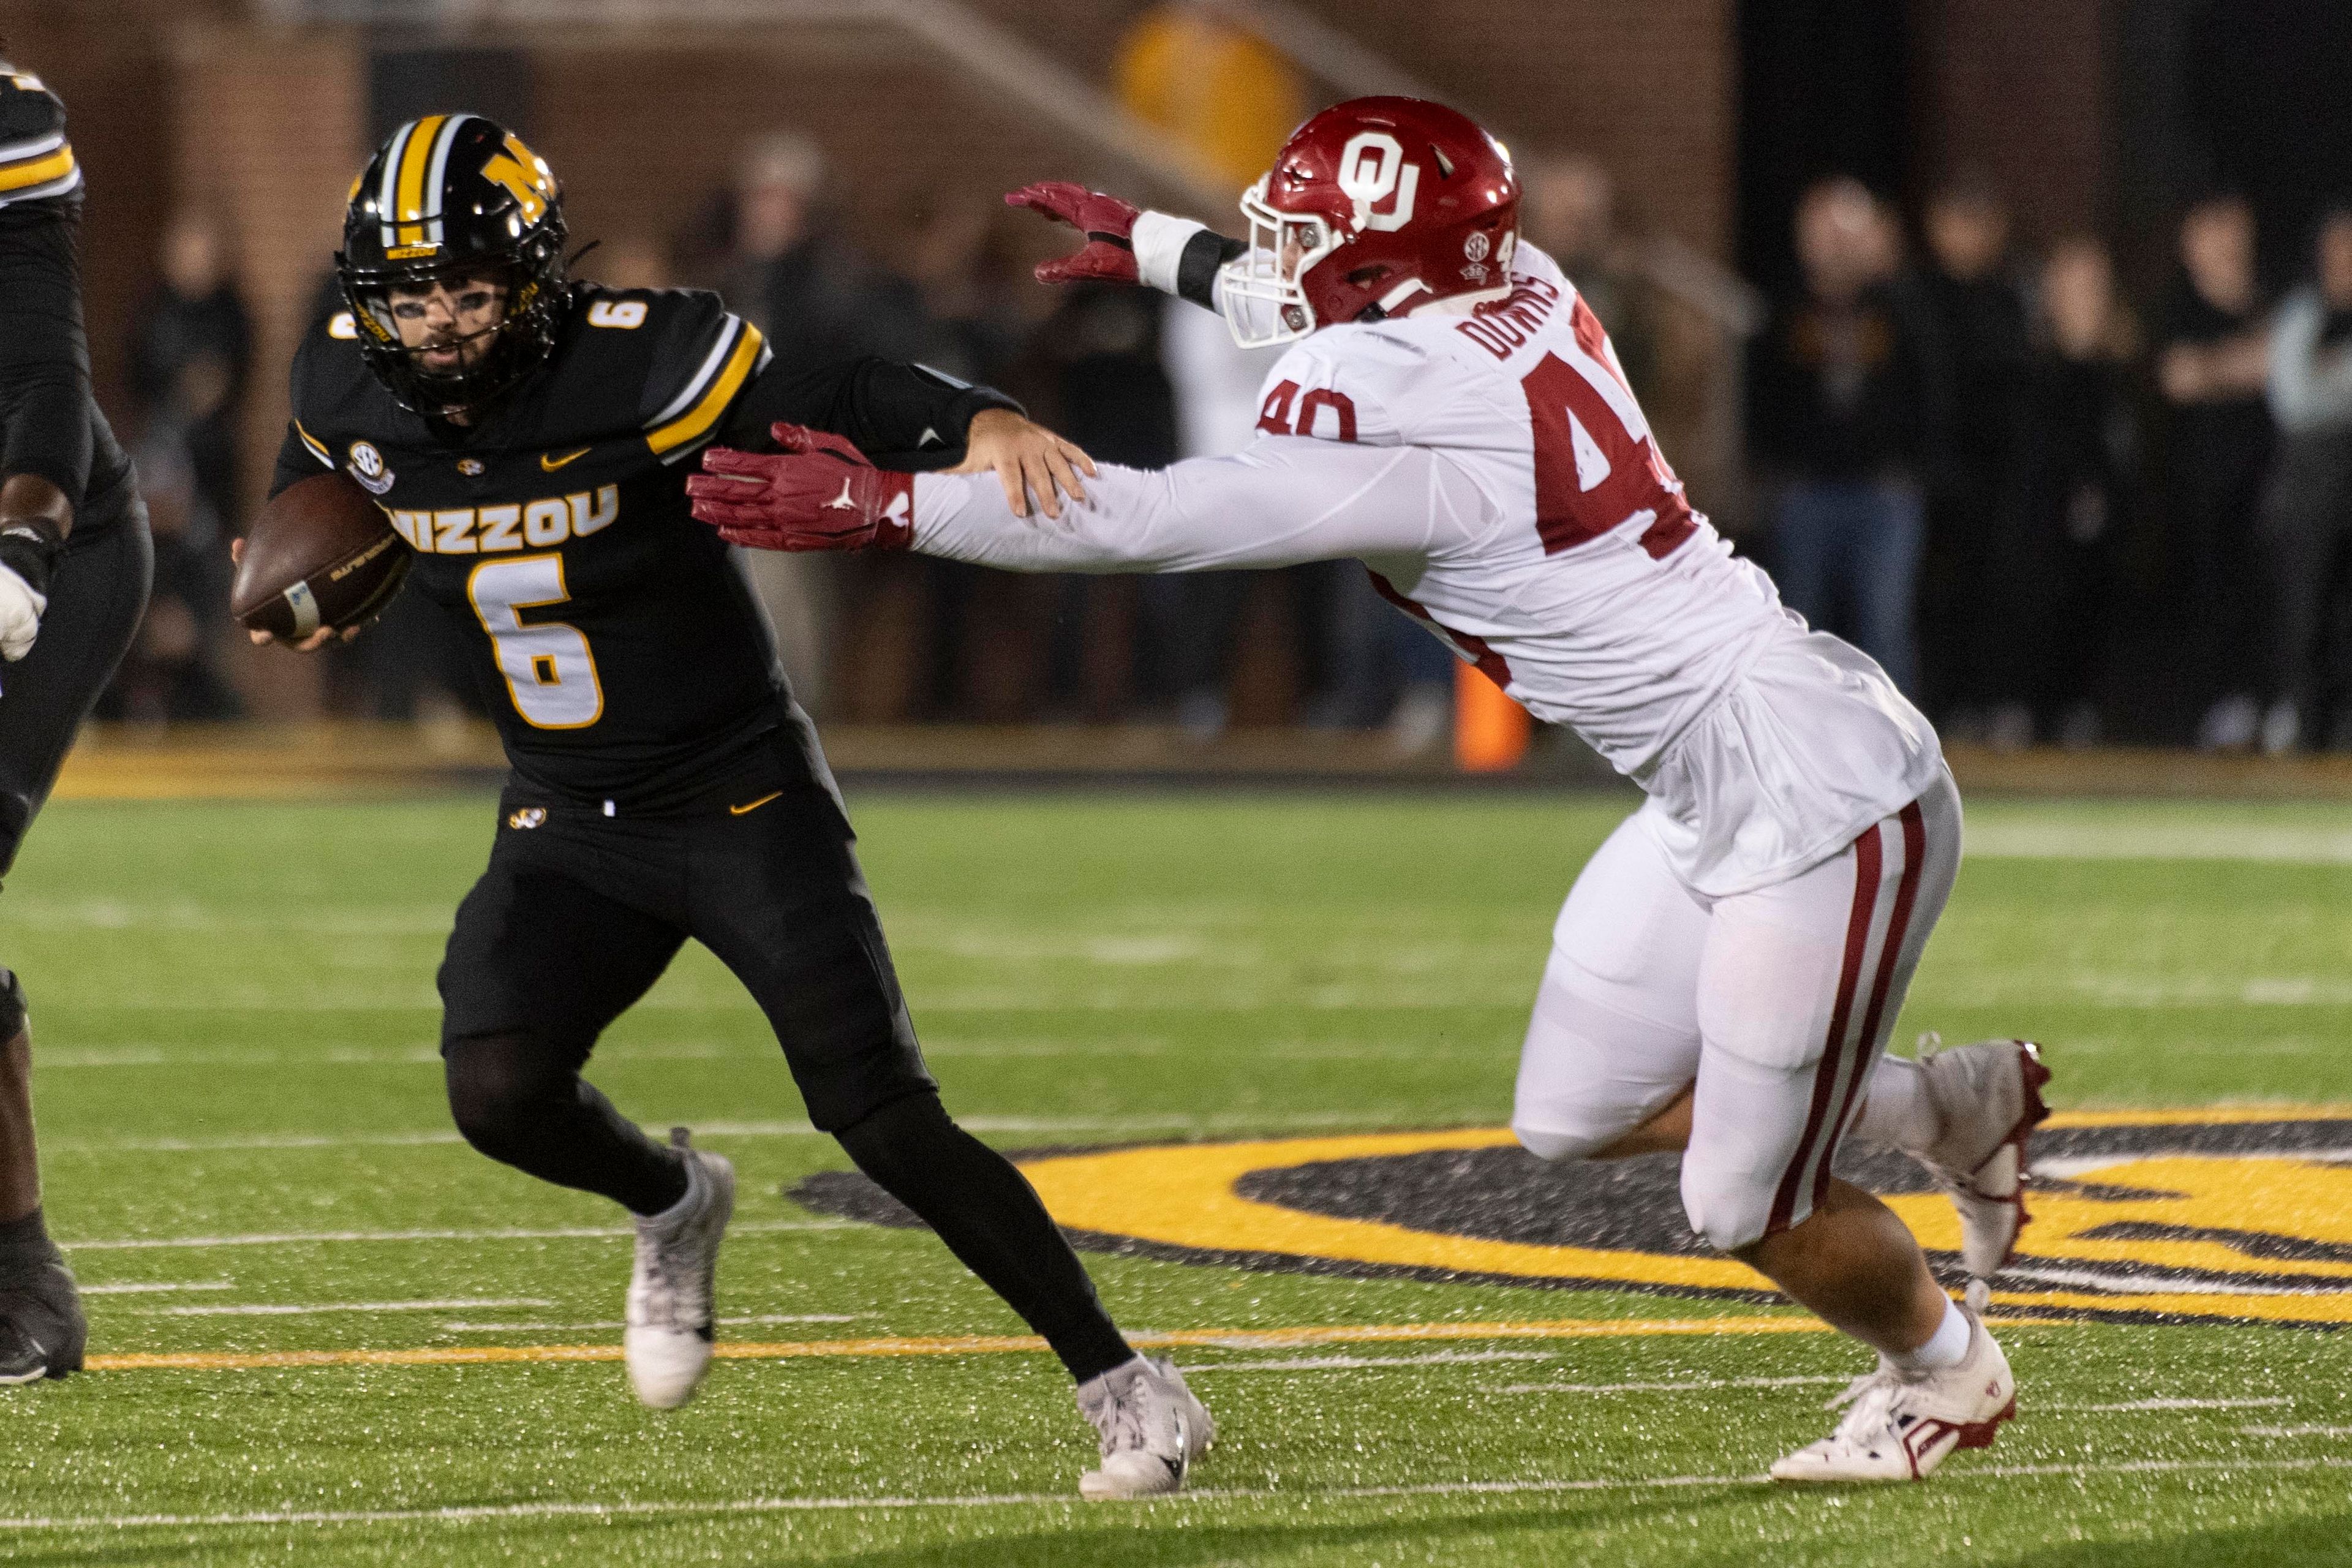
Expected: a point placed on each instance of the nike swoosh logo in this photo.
(740, 810)
(551, 462)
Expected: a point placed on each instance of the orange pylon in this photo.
(1490, 730)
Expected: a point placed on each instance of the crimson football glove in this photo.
(818, 493)
(1107, 222)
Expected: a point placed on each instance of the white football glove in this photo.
(20, 615)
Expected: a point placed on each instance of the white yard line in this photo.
(2296, 1431)
(283, 1310)
(1362, 1363)
(151, 1289)
(2005, 839)
(618, 1323)
(1369, 1116)
(1696, 1385)
(298, 1237)
(554, 1509)
(2116, 1285)
(2164, 1404)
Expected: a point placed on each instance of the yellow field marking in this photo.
(2207, 1116)
(1183, 1196)
(971, 1344)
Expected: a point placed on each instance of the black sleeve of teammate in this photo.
(44, 358)
(904, 416)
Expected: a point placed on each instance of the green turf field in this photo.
(235, 1024)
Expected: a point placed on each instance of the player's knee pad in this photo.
(1727, 1213)
(503, 1088)
(1589, 1072)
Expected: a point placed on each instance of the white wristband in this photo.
(1159, 240)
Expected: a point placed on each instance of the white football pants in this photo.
(1777, 1003)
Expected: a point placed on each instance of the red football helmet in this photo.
(1377, 204)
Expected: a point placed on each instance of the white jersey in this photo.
(1497, 478)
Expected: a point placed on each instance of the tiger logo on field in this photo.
(2238, 1215)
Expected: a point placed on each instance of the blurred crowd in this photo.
(2055, 515)
(2040, 507)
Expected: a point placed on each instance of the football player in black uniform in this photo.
(75, 562)
(528, 440)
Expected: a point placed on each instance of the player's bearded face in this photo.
(451, 322)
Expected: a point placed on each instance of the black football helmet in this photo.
(451, 196)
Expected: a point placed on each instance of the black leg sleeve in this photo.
(523, 1101)
(990, 1218)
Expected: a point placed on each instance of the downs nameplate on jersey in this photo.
(2138, 1216)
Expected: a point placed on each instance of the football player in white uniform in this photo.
(1729, 966)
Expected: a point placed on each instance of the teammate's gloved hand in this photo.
(31, 540)
(818, 493)
(20, 615)
(1107, 222)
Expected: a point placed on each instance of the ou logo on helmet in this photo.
(1372, 169)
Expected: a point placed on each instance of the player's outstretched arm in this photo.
(912, 418)
(1125, 244)
(1286, 500)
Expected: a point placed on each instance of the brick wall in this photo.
(109, 65)
(2019, 92)
(1649, 88)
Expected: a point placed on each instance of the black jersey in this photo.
(49, 425)
(613, 638)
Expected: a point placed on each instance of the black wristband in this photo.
(29, 546)
(1196, 269)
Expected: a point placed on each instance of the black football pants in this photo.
(578, 914)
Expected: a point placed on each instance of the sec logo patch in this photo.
(367, 466)
(528, 817)
(472, 468)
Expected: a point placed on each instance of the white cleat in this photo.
(1901, 1429)
(1152, 1430)
(667, 1341)
(1988, 1099)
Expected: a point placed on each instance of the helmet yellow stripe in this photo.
(409, 192)
(692, 425)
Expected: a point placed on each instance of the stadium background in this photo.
(2095, 118)
(323, 1328)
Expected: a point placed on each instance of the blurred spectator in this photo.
(169, 674)
(1569, 211)
(1978, 312)
(1230, 98)
(2306, 516)
(819, 302)
(1115, 401)
(2076, 449)
(191, 348)
(2212, 360)
(1844, 420)
(974, 653)
(630, 261)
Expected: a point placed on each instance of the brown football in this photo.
(322, 554)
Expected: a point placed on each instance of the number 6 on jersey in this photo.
(550, 672)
